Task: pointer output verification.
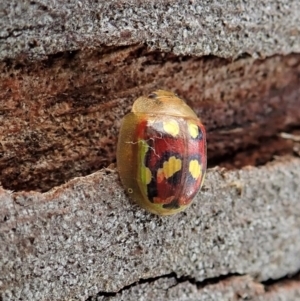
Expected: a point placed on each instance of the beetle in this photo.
(161, 153)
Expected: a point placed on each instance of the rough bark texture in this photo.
(69, 71)
(85, 237)
(226, 29)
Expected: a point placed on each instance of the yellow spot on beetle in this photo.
(169, 168)
(144, 172)
(171, 127)
(195, 169)
(193, 130)
(145, 175)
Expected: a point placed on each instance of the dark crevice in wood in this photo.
(265, 151)
(268, 284)
(60, 117)
(199, 284)
(127, 287)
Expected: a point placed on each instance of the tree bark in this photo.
(70, 71)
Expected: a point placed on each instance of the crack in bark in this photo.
(127, 287)
(83, 115)
(199, 284)
(267, 284)
(261, 154)
(270, 283)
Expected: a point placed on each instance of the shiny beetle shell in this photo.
(161, 154)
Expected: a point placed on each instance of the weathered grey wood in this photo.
(86, 237)
(221, 28)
